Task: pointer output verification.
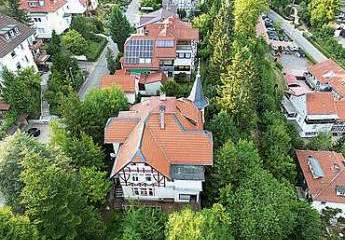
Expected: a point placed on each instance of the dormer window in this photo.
(340, 191)
(9, 32)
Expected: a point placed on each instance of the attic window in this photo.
(315, 167)
(340, 191)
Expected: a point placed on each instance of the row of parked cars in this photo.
(272, 33)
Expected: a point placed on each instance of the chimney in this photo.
(162, 96)
(161, 116)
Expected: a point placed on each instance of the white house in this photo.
(81, 6)
(161, 149)
(48, 16)
(15, 41)
(324, 178)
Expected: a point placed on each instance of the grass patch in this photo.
(95, 48)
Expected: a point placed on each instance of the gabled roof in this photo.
(24, 33)
(121, 79)
(48, 6)
(331, 175)
(181, 141)
(155, 16)
(320, 103)
(152, 77)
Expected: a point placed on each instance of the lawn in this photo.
(95, 48)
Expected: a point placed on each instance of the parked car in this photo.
(35, 132)
(300, 53)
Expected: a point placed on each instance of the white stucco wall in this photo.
(52, 21)
(321, 205)
(23, 56)
(75, 7)
(131, 97)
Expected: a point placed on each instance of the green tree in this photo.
(209, 224)
(323, 141)
(16, 227)
(246, 15)
(12, 150)
(55, 199)
(13, 10)
(74, 42)
(111, 62)
(22, 91)
(84, 26)
(261, 207)
(144, 223)
(280, 4)
(82, 152)
(91, 115)
(120, 29)
(155, 4)
(54, 45)
(322, 11)
(236, 92)
(95, 183)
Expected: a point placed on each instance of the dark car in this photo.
(35, 132)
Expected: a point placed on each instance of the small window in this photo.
(136, 191)
(135, 178)
(323, 203)
(26, 59)
(13, 54)
(151, 192)
(148, 178)
(143, 191)
(184, 197)
(19, 66)
(21, 46)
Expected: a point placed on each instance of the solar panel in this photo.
(315, 167)
(165, 43)
(136, 49)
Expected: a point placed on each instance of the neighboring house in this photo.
(187, 5)
(131, 84)
(169, 46)
(312, 112)
(127, 82)
(161, 149)
(4, 108)
(15, 41)
(324, 178)
(48, 16)
(154, 17)
(81, 6)
(327, 75)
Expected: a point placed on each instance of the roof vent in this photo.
(162, 116)
(315, 167)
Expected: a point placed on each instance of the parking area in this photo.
(293, 64)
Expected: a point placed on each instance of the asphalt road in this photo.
(99, 69)
(297, 36)
(132, 12)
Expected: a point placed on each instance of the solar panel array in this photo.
(136, 49)
(165, 43)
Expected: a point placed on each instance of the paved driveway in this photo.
(98, 70)
(132, 12)
(297, 36)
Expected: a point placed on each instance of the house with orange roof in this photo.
(147, 84)
(327, 75)
(161, 149)
(324, 178)
(169, 45)
(47, 16)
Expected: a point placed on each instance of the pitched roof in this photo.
(48, 6)
(320, 103)
(155, 16)
(24, 33)
(197, 95)
(4, 106)
(331, 166)
(171, 29)
(121, 79)
(181, 141)
(152, 77)
(330, 72)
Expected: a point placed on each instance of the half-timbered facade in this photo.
(161, 148)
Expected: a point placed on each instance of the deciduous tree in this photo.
(74, 42)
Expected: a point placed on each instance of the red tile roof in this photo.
(182, 141)
(49, 5)
(121, 79)
(330, 72)
(320, 103)
(332, 165)
(4, 106)
(152, 77)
